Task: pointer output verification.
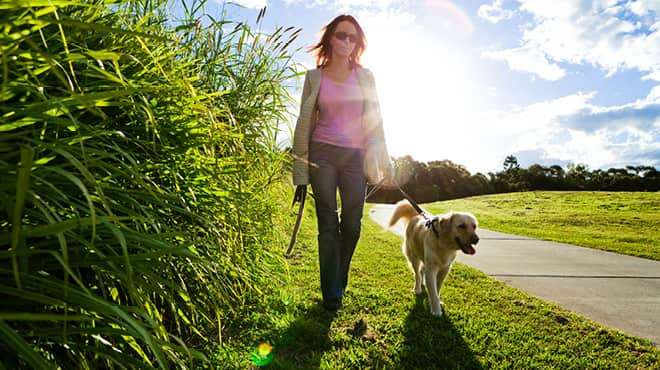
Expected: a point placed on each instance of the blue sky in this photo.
(552, 82)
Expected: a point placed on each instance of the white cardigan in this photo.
(376, 161)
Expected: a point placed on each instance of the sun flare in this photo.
(425, 88)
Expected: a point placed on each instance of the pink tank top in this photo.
(340, 113)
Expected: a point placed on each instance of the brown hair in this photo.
(323, 50)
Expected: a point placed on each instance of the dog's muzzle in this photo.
(467, 248)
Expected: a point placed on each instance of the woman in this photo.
(338, 143)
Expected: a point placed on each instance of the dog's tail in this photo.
(402, 211)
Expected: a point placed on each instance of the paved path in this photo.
(618, 291)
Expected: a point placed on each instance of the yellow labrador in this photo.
(431, 245)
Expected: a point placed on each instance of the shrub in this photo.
(134, 156)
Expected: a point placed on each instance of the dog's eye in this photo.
(461, 226)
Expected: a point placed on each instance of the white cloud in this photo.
(591, 149)
(641, 116)
(494, 12)
(252, 4)
(655, 75)
(605, 33)
(433, 115)
(528, 59)
(572, 129)
(385, 24)
(609, 34)
(654, 94)
(643, 7)
(347, 5)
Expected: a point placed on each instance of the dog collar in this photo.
(429, 224)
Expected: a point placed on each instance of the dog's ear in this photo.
(445, 222)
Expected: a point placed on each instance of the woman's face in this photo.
(343, 48)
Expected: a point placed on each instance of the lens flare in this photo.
(264, 349)
(262, 354)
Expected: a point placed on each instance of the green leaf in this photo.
(44, 160)
(19, 248)
(104, 55)
(28, 316)
(22, 348)
(25, 121)
(15, 4)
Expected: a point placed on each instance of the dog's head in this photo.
(461, 227)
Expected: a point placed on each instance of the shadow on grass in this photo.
(433, 342)
(302, 345)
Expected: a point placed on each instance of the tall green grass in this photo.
(134, 155)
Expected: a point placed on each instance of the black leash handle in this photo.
(296, 226)
(412, 202)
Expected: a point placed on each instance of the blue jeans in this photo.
(338, 168)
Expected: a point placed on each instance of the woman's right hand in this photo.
(389, 180)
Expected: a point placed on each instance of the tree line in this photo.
(444, 179)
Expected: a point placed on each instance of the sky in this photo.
(551, 82)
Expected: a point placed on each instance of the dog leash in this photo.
(430, 222)
(296, 225)
(301, 208)
(405, 195)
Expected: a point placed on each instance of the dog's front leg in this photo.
(442, 274)
(431, 273)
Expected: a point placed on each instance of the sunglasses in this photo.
(341, 36)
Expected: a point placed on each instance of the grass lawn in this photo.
(621, 222)
(487, 325)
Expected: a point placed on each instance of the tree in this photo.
(512, 174)
(511, 164)
(578, 175)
